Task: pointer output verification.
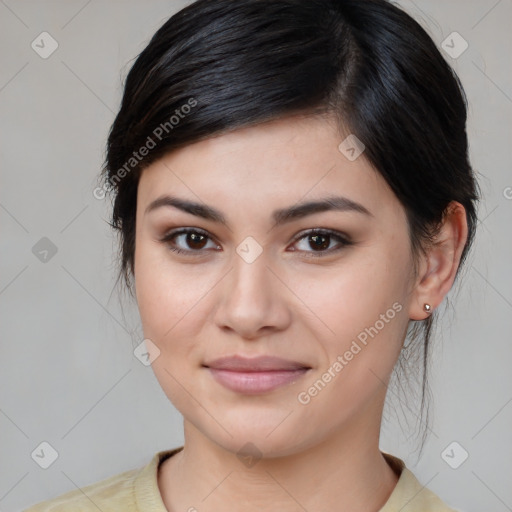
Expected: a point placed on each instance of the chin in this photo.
(266, 436)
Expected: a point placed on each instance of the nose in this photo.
(252, 300)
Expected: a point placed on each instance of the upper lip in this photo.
(254, 364)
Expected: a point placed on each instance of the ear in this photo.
(439, 265)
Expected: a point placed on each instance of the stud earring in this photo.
(427, 308)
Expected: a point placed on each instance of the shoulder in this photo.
(409, 494)
(107, 495)
(130, 491)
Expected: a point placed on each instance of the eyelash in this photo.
(344, 241)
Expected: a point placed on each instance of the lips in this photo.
(256, 364)
(253, 376)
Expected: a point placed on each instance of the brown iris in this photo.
(319, 241)
(196, 240)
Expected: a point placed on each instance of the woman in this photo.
(294, 199)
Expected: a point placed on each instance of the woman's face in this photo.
(261, 284)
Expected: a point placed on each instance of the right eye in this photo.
(194, 238)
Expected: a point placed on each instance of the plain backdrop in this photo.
(68, 374)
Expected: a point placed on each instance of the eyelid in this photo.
(188, 229)
(321, 231)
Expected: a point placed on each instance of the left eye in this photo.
(320, 240)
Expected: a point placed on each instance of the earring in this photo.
(427, 308)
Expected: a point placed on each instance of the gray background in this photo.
(68, 375)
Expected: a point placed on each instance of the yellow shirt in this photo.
(137, 490)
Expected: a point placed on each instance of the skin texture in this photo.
(286, 303)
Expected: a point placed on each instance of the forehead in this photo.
(272, 164)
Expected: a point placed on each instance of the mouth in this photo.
(255, 375)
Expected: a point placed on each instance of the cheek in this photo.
(170, 308)
(360, 310)
(364, 310)
(166, 294)
(350, 297)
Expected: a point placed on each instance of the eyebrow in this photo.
(281, 216)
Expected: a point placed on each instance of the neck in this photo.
(346, 472)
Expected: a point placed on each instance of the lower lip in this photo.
(256, 382)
